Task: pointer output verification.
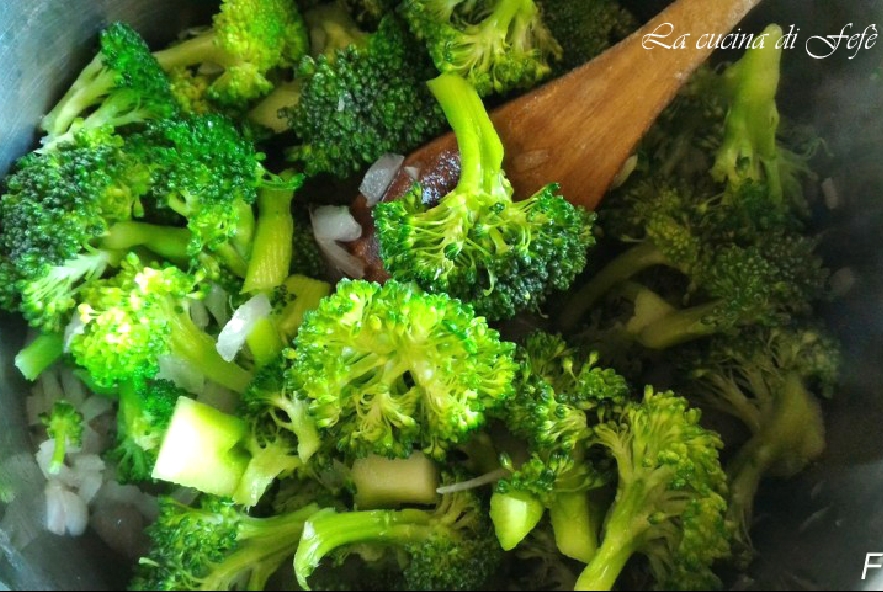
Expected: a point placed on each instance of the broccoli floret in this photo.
(213, 188)
(451, 547)
(585, 29)
(750, 148)
(145, 411)
(496, 45)
(283, 435)
(134, 317)
(216, 546)
(363, 103)
(331, 31)
(190, 90)
(293, 300)
(64, 424)
(768, 380)
(477, 244)
(56, 209)
(558, 471)
(247, 41)
(123, 85)
(670, 501)
(388, 369)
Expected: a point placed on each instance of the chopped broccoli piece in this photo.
(477, 244)
(387, 370)
(496, 45)
(122, 85)
(247, 41)
(64, 424)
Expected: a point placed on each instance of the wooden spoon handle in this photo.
(579, 129)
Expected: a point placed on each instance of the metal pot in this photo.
(815, 531)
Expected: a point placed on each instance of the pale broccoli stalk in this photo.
(64, 424)
(669, 502)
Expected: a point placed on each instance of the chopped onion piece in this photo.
(485, 479)
(413, 172)
(341, 259)
(94, 406)
(234, 333)
(74, 390)
(335, 223)
(217, 304)
(198, 313)
(379, 176)
(73, 328)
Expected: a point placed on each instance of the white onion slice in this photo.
(73, 328)
(341, 259)
(335, 223)
(379, 176)
(198, 313)
(74, 391)
(94, 406)
(234, 333)
(217, 304)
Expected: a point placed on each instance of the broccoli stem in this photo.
(573, 525)
(263, 545)
(623, 267)
(195, 346)
(622, 530)
(38, 355)
(383, 482)
(165, 241)
(308, 293)
(264, 342)
(514, 514)
(270, 259)
(679, 327)
(198, 50)
(269, 111)
(481, 151)
(92, 84)
(328, 530)
(791, 436)
(296, 411)
(268, 462)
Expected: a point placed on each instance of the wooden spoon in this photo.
(579, 129)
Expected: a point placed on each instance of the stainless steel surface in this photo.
(813, 532)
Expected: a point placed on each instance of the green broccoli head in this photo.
(133, 318)
(57, 207)
(213, 187)
(389, 369)
(450, 547)
(247, 41)
(770, 380)
(670, 500)
(477, 244)
(496, 45)
(123, 85)
(363, 102)
(215, 546)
